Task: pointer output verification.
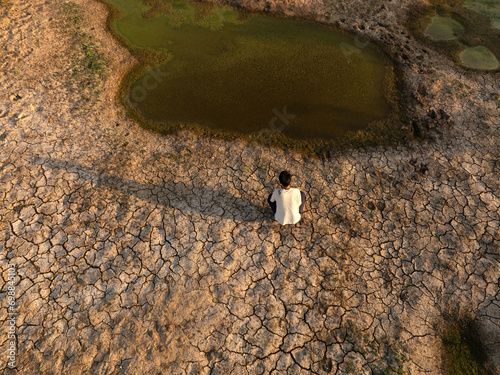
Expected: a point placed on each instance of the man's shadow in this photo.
(186, 197)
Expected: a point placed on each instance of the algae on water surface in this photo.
(479, 57)
(234, 72)
(444, 28)
(489, 8)
(466, 30)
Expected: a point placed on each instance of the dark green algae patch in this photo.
(279, 81)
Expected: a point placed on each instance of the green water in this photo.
(489, 8)
(251, 73)
(479, 57)
(474, 42)
(444, 28)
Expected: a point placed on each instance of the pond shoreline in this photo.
(394, 129)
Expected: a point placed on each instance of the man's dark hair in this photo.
(285, 178)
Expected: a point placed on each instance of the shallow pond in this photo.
(247, 73)
(479, 57)
(468, 31)
(489, 8)
(444, 28)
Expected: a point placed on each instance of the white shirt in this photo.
(288, 202)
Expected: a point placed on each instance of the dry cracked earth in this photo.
(137, 253)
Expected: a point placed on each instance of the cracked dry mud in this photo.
(143, 254)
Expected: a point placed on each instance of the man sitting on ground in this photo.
(287, 203)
